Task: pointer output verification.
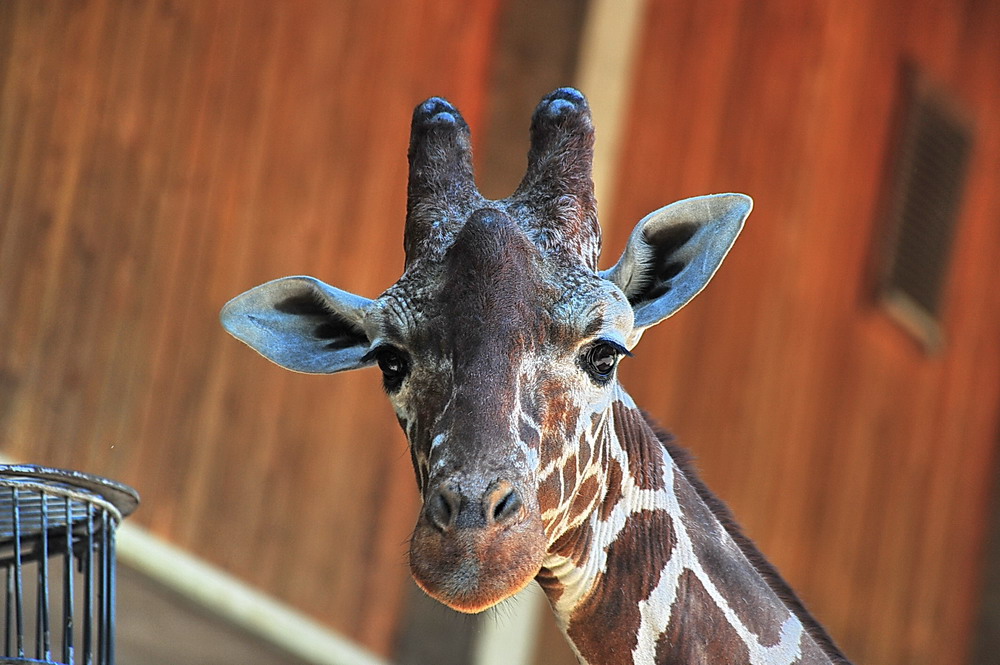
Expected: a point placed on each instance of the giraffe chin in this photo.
(471, 570)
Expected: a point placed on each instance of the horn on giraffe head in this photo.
(441, 180)
(558, 186)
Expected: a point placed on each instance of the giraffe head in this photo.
(498, 345)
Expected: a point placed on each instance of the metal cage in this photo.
(57, 551)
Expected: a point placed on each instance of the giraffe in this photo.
(498, 348)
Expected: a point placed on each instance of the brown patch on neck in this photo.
(585, 497)
(613, 493)
(569, 476)
(575, 544)
(744, 589)
(550, 584)
(561, 413)
(584, 449)
(550, 491)
(769, 573)
(557, 422)
(604, 627)
(698, 631)
(645, 461)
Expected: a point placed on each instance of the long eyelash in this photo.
(618, 347)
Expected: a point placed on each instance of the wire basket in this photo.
(57, 563)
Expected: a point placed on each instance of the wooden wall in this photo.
(157, 158)
(860, 464)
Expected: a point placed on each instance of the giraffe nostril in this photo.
(443, 506)
(503, 503)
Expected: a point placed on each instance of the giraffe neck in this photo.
(658, 573)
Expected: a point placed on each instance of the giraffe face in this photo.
(497, 361)
(498, 345)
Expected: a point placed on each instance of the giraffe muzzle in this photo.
(476, 543)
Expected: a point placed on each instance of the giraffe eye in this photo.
(599, 360)
(394, 365)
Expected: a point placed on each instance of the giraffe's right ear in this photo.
(301, 324)
(674, 251)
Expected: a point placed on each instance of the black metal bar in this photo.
(88, 593)
(68, 600)
(9, 616)
(102, 591)
(44, 628)
(18, 580)
(42, 578)
(112, 591)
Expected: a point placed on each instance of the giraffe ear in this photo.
(301, 324)
(674, 251)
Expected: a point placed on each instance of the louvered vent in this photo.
(930, 173)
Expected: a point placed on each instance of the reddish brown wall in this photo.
(860, 464)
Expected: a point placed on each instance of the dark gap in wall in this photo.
(930, 166)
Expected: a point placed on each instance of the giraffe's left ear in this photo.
(301, 324)
(674, 251)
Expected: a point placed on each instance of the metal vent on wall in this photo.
(929, 176)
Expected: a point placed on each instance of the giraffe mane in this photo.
(685, 462)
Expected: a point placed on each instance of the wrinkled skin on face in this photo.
(495, 384)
